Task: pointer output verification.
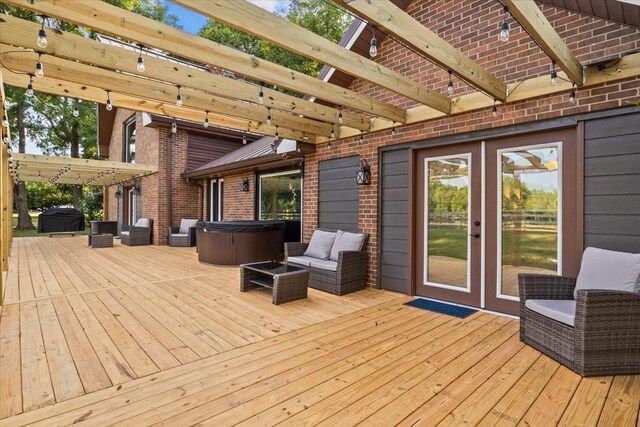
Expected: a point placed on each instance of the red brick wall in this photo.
(472, 27)
(238, 204)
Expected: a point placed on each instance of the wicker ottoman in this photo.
(101, 240)
(287, 282)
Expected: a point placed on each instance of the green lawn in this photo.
(34, 233)
(537, 248)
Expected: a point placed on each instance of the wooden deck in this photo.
(147, 335)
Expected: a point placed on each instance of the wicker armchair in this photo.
(184, 235)
(350, 275)
(605, 338)
(138, 234)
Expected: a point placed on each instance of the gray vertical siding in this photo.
(338, 193)
(394, 220)
(612, 183)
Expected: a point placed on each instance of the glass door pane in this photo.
(447, 221)
(529, 214)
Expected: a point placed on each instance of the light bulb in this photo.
(277, 135)
(174, 127)
(494, 111)
(554, 78)
(6, 139)
(140, 67)
(333, 133)
(261, 97)
(39, 69)
(244, 139)
(393, 131)
(75, 112)
(504, 31)
(42, 38)
(109, 104)
(206, 123)
(5, 121)
(572, 97)
(269, 117)
(178, 100)
(373, 47)
(30, 89)
(340, 118)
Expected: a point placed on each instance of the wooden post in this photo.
(105, 202)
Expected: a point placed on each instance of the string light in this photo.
(5, 120)
(206, 119)
(42, 36)
(393, 129)
(340, 117)
(30, 86)
(268, 116)
(361, 137)
(6, 139)
(244, 138)
(450, 84)
(76, 111)
(261, 96)
(174, 127)
(277, 135)
(373, 46)
(109, 104)
(504, 27)
(494, 110)
(39, 68)
(179, 98)
(572, 95)
(554, 74)
(140, 67)
(333, 133)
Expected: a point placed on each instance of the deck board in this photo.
(147, 335)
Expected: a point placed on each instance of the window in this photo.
(216, 196)
(280, 196)
(130, 140)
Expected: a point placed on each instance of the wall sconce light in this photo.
(136, 190)
(363, 176)
(245, 184)
(118, 193)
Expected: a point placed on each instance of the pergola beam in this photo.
(19, 32)
(252, 19)
(93, 94)
(529, 15)
(75, 72)
(385, 14)
(112, 20)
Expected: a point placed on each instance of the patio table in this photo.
(289, 283)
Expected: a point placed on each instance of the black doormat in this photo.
(440, 307)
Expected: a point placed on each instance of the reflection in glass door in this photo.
(447, 245)
(529, 214)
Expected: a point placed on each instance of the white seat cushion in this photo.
(180, 235)
(124, 233)
(301, 260)
(609, 270)
(320, 244)
(325, 265)
(563, 311)
(346, 241)
(142, 222)
(186, 224)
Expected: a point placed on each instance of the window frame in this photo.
(258, 195)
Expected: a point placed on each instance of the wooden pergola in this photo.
(79, 67)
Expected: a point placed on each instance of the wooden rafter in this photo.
(529, 15)
(19, 32)
(394, 20)
(253, 19)
(109, 19)
(75, 72)
(93, 94)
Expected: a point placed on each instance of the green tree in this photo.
(43, 195)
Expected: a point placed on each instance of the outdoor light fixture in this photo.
(268, 116)
(39, 68)
(140, 67)
(118, 193)
(494, 110)
(363, 176)
(109, 104)
(136, 190)
(450, 85)
(76, 111)
(245, 184)
(178, 98)
(373, 46)
(174, 127)
(572, 95)
(30, 86)
(206, 119)
(340, 118)
(42, 36)
(554, 74)
(504, 27)
(261, 96)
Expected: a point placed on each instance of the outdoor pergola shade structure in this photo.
(87, 69)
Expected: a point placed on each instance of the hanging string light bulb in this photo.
(494, 110)
(504, 27)
(554, 74)
(373, 46)
(109, 105)
(340, 117)
(30, 86)
(572, 95)
(244, 138)
(76, 110)
(277, 135)
(5, 120)
(269, 116)
(261, 96)
(332, 135)
(39, 68)
(206, 119)
(140, 67)
(361, 137)
(174, 127)
(179, 98)
(42, 36)
(450, 84)
(393, 129)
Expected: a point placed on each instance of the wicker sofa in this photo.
(347, 273)
(185, 234)
(592, 331)
(138, 234)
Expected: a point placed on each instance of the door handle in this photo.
(476, 235)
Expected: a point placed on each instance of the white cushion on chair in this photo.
(346, 241)
(325, 265)
(180, 235)
(186, 224)
(301, 260)
(320, 244)
(608, 270)
(563, 310)
(124, 233)
(142, 222)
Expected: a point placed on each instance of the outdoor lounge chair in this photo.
(185, 235)
(138, 234)
(590, 324)
(336, 260)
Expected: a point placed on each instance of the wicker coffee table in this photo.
(289, 283)
(104, 240)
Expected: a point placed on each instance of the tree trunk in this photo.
(76, 190)
(20, 191)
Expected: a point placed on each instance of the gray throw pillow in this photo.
(608, 270)
(320, 244)
(346, 241)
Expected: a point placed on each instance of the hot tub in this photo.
(240, 242)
